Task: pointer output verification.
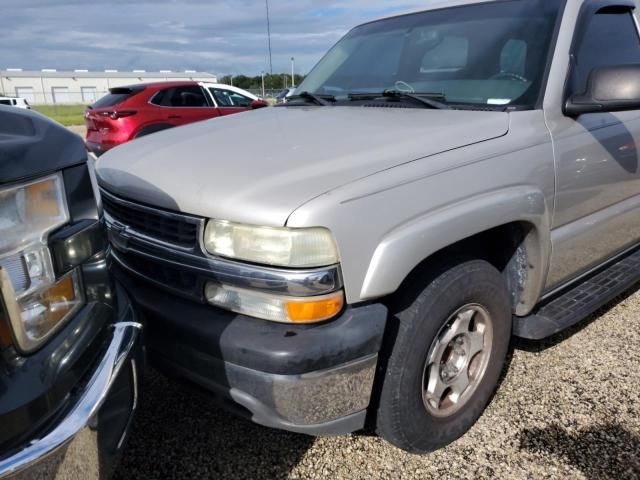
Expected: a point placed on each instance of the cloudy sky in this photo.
(218, 36)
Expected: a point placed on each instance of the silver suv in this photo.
(440, 182)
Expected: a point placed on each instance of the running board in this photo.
(577, 303)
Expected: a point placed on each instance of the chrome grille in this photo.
(167, 227)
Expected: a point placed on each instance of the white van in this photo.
(15, 102)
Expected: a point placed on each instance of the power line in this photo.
(269, 38)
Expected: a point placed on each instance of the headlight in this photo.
(29, 212)
(35, 304)
(283, 247)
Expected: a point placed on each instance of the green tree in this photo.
(277, 81)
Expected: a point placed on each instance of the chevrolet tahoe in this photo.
(442, 181)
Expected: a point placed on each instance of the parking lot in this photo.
(324, 218)
(567, 408)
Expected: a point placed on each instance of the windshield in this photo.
(485, 54)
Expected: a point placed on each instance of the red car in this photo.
(131, 112)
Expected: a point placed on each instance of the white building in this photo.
(48, 87)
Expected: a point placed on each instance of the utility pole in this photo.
(293, 71)
(269, 37)
(263, 92)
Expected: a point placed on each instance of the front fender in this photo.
(405, 247)
(388, 223)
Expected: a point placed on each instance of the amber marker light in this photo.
(316, 310)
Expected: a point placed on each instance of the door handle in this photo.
(173, 117)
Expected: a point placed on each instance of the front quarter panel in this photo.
(387, 224)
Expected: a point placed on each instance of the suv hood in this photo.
(31, 144)
(258, 167)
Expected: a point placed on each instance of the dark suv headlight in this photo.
(36, 304)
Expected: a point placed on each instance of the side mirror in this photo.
(259, 104)
(609, 89)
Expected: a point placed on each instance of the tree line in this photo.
(277, 81)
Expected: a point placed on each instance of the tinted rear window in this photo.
(116, 97)
(5, 102)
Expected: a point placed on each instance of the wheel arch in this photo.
(509, 228)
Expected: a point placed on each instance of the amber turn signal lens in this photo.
(41, 199)
(61, 298)
(315, 310)
(41, 313)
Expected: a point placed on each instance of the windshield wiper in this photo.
(430, 100)
(324, 100)
(427, 99)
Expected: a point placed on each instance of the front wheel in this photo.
(453, 337)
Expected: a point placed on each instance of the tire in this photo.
(421, 419)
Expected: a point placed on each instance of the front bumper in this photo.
(313, 379)
(86, 442)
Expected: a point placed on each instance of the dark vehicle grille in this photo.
(173, 278)
(175, 229)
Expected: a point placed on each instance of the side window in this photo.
(227, 98)
(180, 97)
(160, 97)
(610, 39)
(450, 55)
(239, 100)
(222, 97)
(189, 97)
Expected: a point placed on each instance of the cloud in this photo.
(219, 36)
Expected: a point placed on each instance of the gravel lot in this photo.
(567, 408)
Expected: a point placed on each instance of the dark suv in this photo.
(70, 349)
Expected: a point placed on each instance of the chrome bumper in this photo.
(325, 402)
(82, 446)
